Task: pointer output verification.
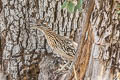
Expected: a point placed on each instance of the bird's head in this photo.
(40, 25)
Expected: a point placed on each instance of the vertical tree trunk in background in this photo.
(85, 45)
(0, 6)
(26, 55)
(0, 39)
(105, 21)
(105, 26)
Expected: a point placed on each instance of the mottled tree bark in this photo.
(25, 54)
(104, 22)
(0, 6)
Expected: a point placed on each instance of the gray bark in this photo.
(104, 61)
(26, 54)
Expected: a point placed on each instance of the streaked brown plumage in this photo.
(59, 44)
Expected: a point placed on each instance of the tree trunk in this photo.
(25, 54)
(106, 48)
(103, 27)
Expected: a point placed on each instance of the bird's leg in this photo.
(71, 65)
(67, 65)
(62, 67)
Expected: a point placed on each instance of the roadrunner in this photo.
(61, 45)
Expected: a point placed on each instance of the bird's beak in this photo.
(33, 26)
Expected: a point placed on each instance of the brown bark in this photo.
(105, 28)
(26, 55)
(0, 6)
(85, 45)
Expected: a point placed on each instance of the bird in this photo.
(60, 45)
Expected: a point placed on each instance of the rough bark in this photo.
(104, 60)
(85, 44)
(106, 26)
(0, 6)
(26, 55)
